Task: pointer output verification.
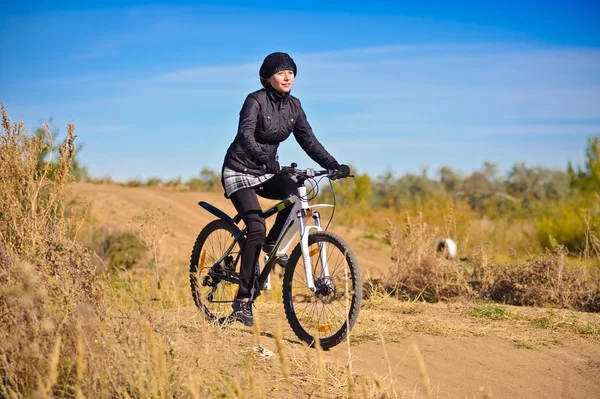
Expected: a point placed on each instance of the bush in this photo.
(102, 180)
(119, 250)
(418, 272)
(153, 182)
(548, 280)
(209, 180)
(134, 183)
(570, 224)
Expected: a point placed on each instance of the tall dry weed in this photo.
(152, 228)
(417, 271)
(46, 279)
(32, 204)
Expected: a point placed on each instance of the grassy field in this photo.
(95, 302)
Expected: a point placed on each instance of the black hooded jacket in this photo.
(267, 118)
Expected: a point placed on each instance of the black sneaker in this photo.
(281, 260)
(242, 311)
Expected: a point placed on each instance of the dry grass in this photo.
(420, 273)
(549, 279)
(46, 282)
(532, 327)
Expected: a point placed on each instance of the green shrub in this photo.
(119, 250)
(569, 223)
(134, 183)
(154, 182)
(208, 180)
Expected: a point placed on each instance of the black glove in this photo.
(344, 170)
(270, 165)
(341, 170)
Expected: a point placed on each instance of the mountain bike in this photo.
(322, 286)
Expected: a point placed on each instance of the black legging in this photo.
(246, 204)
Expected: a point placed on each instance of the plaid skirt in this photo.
(234, 181)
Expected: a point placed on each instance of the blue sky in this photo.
(156, 89)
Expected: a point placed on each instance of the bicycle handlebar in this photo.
(308, 173)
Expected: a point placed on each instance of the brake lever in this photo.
(334, 174)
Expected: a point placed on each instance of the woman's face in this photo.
(282, 81)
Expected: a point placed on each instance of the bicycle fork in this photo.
(306, 254)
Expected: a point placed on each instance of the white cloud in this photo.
(207, 74)
(367, 101)
(387, 133)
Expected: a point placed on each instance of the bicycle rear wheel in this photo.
(330, 312)
(215, 252)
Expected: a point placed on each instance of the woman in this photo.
(267, 118)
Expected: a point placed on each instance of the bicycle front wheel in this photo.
(329, 312)
(216, 253)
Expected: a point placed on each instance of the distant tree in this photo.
(449, 179)
(556, 185)
(357, 191)
(477, 190)
(588, 177)
(416, 189)
(536, 183)
(385, 192)
(208, 180)
(363, 189)
(153, 182)
(490, 171)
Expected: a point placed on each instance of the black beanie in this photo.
(276, 62)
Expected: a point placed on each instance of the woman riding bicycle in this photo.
(267, 118)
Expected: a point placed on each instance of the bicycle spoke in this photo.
(309, 305)
(341, 312)
(216, 297)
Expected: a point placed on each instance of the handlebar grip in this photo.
(335, 174)
(287, 169)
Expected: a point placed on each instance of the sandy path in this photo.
(461, 367)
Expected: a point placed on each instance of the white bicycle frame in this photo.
(302, 212)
